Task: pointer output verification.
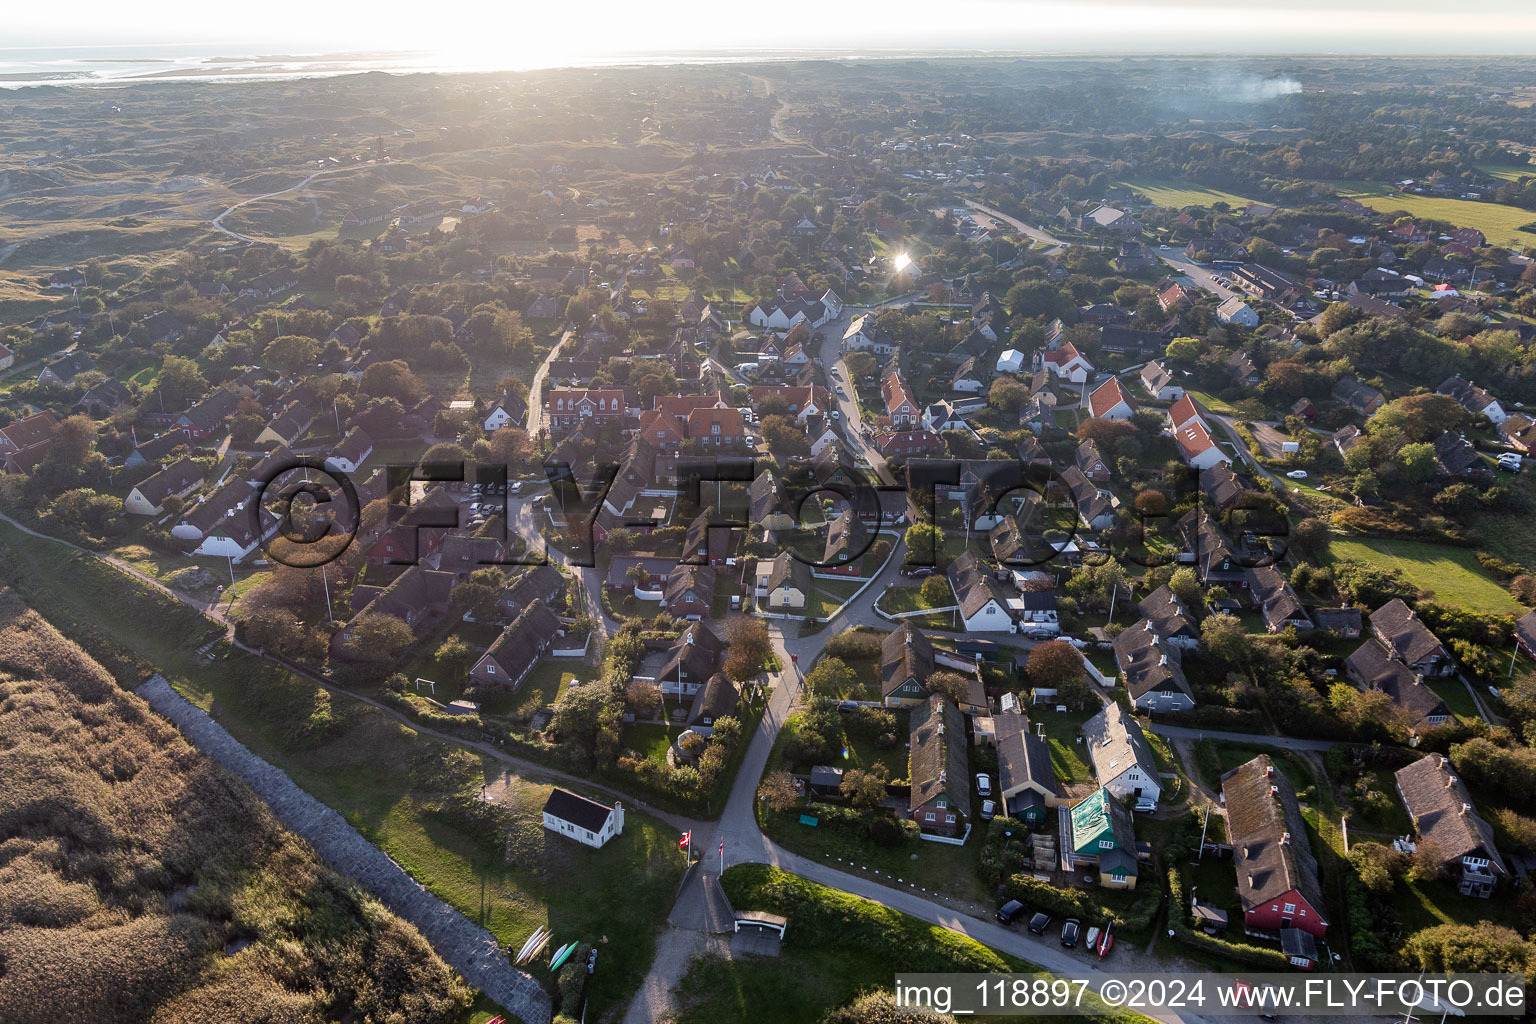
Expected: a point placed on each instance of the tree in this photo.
(936, 592)
(1185, 584)
(861, 788)
(180, 382)
(291, 352)
(831, 677)
(1310, 538)
(748, 646)
(778, 790)
(784, 438)
(860, 365)
(952, 685)
(1007, 394)
(1417, 461)
(1223, 638)
(392, 379)
(1183, 350)
(378, 639)
(1053, 663)
(643, 695)
(1419, 417)
(455, 656)
(1093, 586)
(924, 542)
(1465, 948)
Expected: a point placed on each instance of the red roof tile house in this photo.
(25, 442)
(900, 406)
(1066, 363)
(717, 427)
(1111, 401)
(570, 408)
(1277, 879)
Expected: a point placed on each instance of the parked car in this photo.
(847, 707)
(988, 810)
(984, 784)
(1008, 911)
(1069, 930)
(1297, 474)
(517, 487)
(1040, 634)
(917, 570)
(1039, 923)
(835, 414)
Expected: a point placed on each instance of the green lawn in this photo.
(650, 739)
(937, 867)
(546, 683)
(898, 599)
(1063, 731)
(1502, 224)
(1455, 696)
(1452, 573)
(1177, 194)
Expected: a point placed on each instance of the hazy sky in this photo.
(498, 33)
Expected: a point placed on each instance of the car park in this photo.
(984, 784)
(1009, 911)
(1039, 923)
(1069, 932)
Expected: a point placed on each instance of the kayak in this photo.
(1106, 941)
(1092, 941)
(561, 956)
(533, 940)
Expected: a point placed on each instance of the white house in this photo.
(509, 411)
(1123, 762)
(862, 336)
(353, 450)
(1197, 446)
(1011, 361)
(1159, 382)
(1111, 401)
(1182, 413)
(982, 605)
(1236, 311)
(586, 821)
(1066, 363)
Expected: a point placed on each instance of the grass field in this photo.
(388, 781)
(1500, 223)
(1452, 573)
(1177, 194)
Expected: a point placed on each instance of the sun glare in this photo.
(903, 261)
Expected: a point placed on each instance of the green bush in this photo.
(1080, 904)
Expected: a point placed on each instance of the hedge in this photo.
(1040, 895)
(1259, 956)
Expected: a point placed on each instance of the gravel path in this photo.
(463, 945)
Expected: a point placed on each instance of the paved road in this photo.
(536, 414)
(1179, 732)
(1195, 274)
(1018, 225)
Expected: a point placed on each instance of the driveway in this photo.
(1194, 274)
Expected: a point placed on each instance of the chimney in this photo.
(1465, 808)
(1269, 771)
(1285, 839)
(1450, 782)
(1251, 883)
(1274, 791)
